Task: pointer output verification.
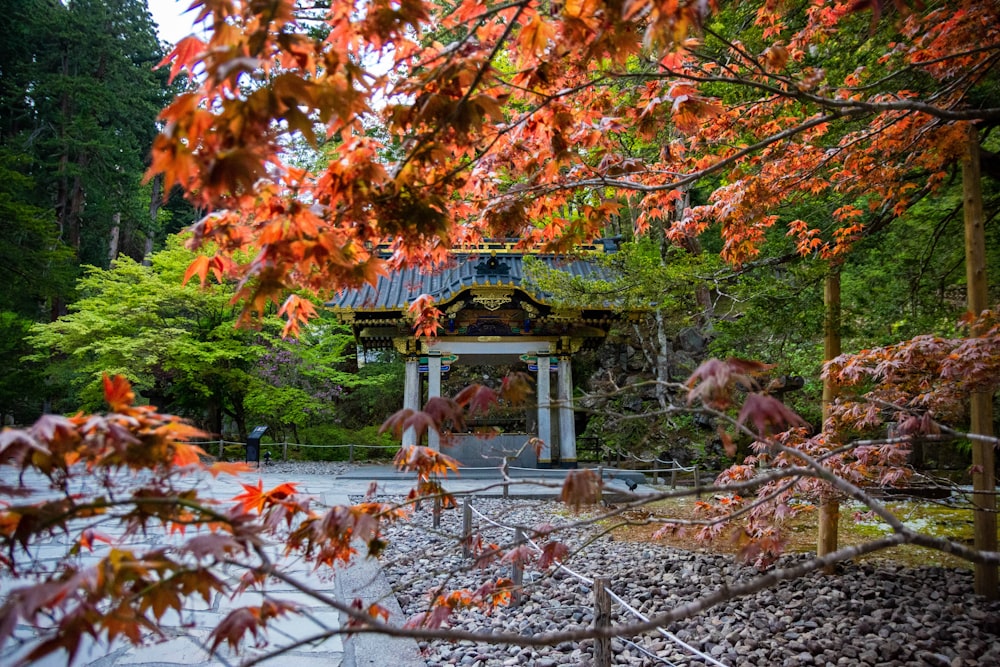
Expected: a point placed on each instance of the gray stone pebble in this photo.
(885, 616)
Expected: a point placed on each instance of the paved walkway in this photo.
(187, 633)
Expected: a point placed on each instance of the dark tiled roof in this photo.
(398, 291)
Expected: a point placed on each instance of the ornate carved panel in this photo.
(492, 299)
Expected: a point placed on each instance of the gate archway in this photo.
(491, 317)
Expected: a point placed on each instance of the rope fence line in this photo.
(221, 444)
(520, 537)
(673, 470)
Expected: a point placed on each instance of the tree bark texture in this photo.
(829, 511)
(981, 403)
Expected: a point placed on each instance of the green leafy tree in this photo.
(314, 380)
(177, 343)
(181, 347)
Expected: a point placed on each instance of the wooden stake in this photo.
(981, 403)
(467, 527)
(602, 619)
(517, 572)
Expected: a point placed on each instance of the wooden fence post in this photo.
(221, 448)
(467, 527)
(437, 512)
(284, 451)
(350, 454)
(517, 572)
(602, 620)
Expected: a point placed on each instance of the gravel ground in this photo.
(875, 616)
(328, 468)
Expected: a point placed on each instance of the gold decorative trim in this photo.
(566, 314)
(492, 299)
(454, 308)
(406, 346)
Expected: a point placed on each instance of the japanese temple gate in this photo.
(490, 318)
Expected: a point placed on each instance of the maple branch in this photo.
(722, 594)
(795, 473)
(747, 267)
(694, 177)
(679, 612)
(480, 73)
(915, 67)
(547, 99)
(847, 107)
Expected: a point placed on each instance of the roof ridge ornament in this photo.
(492, 266)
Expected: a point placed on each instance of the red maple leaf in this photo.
(768, 414)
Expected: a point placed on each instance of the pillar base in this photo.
(545, 465)
(568, 465)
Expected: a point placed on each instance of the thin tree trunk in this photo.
(981, 403)
(155, 201)
(702, 294)
(663, 350)
(829, 510)
(116, 229)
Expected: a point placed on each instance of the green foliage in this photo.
(368, 444)
(910, 278)
(79, 100)
(36, 267)
(78, 107)
(374, 395)
(640, 276)
(177, 344)
(181, 348)
(22, 387)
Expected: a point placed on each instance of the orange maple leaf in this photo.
(228, 468)
(118, 393)
(297, 311)
(185, 454)
(199, 267)
(254, 497)
(184, 55)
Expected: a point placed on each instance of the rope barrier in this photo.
(655, 470)
(617, 598)
(669, 635)
(656, 459)
(647, 652)
(288, 444)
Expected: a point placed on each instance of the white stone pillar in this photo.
(411, 396)
(433, 391)
(567, 428)
(544, 392)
